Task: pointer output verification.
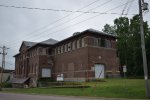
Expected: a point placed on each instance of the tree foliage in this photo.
(129, 43)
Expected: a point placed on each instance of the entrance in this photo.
(99, 71)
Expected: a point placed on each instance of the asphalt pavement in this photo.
(13, 96)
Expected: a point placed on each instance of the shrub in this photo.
(6, 85)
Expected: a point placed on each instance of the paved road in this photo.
(11, 96)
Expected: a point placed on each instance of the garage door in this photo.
(99, 71)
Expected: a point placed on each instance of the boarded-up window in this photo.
(55, 50)
(69, 46)
(99, 42)
(66, 47)
(83, 43)
(108, 44)
(59, 49)
(46, 72)
(95, 42)
(40, 51)
(78, 43)
(74, 45)
(62, 50)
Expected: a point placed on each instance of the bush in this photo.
(6, 85)
(45, 80)
(98, 80)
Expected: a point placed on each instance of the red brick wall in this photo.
(106, 56)
(72, 64)
(78, 63)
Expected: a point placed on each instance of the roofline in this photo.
(81, 33)
(33, 47)
(39, 44)
(16, 54)
(86, 31)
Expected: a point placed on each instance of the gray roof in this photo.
(29, 44)
(99, 32)
(90, 30)
(18, 80)
(49, 42)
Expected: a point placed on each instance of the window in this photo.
(108, 44)
(49, 51)
(95, 42)
(46, 72)
(40, 50)
(59, 49)
(62, 49)
(69, 46)
(55, 50)
(73, 45)
(66, 47)
(83, 43)
(78, 43)
(99, 42)
(103, 42)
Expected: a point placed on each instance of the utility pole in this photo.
(4, 48)
(142, 7)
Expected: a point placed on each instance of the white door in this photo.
(99, 71)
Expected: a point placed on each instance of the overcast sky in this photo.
(17, 25)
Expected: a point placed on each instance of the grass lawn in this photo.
(112, 88)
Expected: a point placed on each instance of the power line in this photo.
(56, 10)
(79, 15)
(84, 20)
(124, 8)
(75, 17)
(81, 21)
(128, 9)
(54, 22)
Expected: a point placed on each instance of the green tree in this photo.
(128, 43)
(109, 29)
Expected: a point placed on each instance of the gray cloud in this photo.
(16, 24)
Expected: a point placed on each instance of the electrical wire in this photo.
(84, 20)
(128, 9)
(72, 19)
(124, 8)
(54, 22)
(56, 10)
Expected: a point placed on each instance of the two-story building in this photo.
(34, 60)
(84, 56)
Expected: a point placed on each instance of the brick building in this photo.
(84, 56)
(32, 59)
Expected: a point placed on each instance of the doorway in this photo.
(99, 71)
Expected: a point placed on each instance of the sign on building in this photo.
(60, 77)
(124, 68)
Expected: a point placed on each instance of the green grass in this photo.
(112, 88)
